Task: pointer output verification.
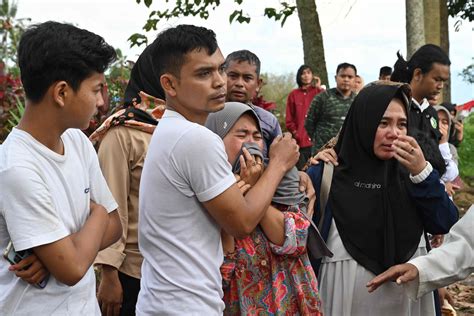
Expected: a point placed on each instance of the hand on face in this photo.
(251, 167)
(409, 154)
(443, 129)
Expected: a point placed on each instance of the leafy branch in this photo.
(202, 9)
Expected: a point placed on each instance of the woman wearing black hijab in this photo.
(383, 195)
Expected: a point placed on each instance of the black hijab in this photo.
(376, 219)
(144, 77)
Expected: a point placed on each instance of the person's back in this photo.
(54, 200)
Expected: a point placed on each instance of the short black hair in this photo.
(244, 55)
(172, 45)
(344, 66)
(52, 51)
(423, 58)
(385, 71)
(300, 72)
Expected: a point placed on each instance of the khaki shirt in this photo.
(121, 156)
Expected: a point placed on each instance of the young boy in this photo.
(54, 200)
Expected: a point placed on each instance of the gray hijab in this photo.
(445, 110)
(221, 123)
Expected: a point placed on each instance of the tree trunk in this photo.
(415, 27)
(444, 41)
(312, 38)
(432, 21)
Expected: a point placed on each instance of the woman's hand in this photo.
(459, 127)
(251, 168)
(443, 129)
(244, 187)
(326, 155)
(409, 154)
(30, 269)
(228, 243)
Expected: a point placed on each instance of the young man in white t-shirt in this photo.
(188, 192)
(54, 199)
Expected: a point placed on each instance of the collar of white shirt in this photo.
(424, 104)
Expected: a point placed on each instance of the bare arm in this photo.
(273, 225)
(113, 231)
(68, 259)
(238, 215)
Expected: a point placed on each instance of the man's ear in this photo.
(417, 74)
(168, 83)
(60, 91)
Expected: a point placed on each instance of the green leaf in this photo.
(148, 2)
(137, 39)
(270, 12)
(233, 15)
(243, 19)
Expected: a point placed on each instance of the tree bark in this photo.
(444, 41)
(312, 36)
(415, 27)
(432, 21)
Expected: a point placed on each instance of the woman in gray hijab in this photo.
(269, 271)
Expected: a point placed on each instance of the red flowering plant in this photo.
(12, 100)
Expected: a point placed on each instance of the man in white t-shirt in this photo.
(54, 200)
(187, 191)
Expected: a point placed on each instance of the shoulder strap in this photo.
(325, 187)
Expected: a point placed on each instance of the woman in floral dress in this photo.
(268, 272)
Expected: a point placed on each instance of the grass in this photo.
(466, 151)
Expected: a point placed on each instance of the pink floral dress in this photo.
(261, 278)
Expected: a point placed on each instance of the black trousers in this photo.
(131, 287)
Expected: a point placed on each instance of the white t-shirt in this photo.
(186, 164)
(45, 197)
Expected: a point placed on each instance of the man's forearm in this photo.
(113, 231)
(260, 196)
(89, 239)
(68, 259)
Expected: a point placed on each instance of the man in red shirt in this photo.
(297, 106)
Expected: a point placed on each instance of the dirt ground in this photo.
(463, 291)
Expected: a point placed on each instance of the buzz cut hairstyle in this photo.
(345, 66)
(244, 55)
(172, 45)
